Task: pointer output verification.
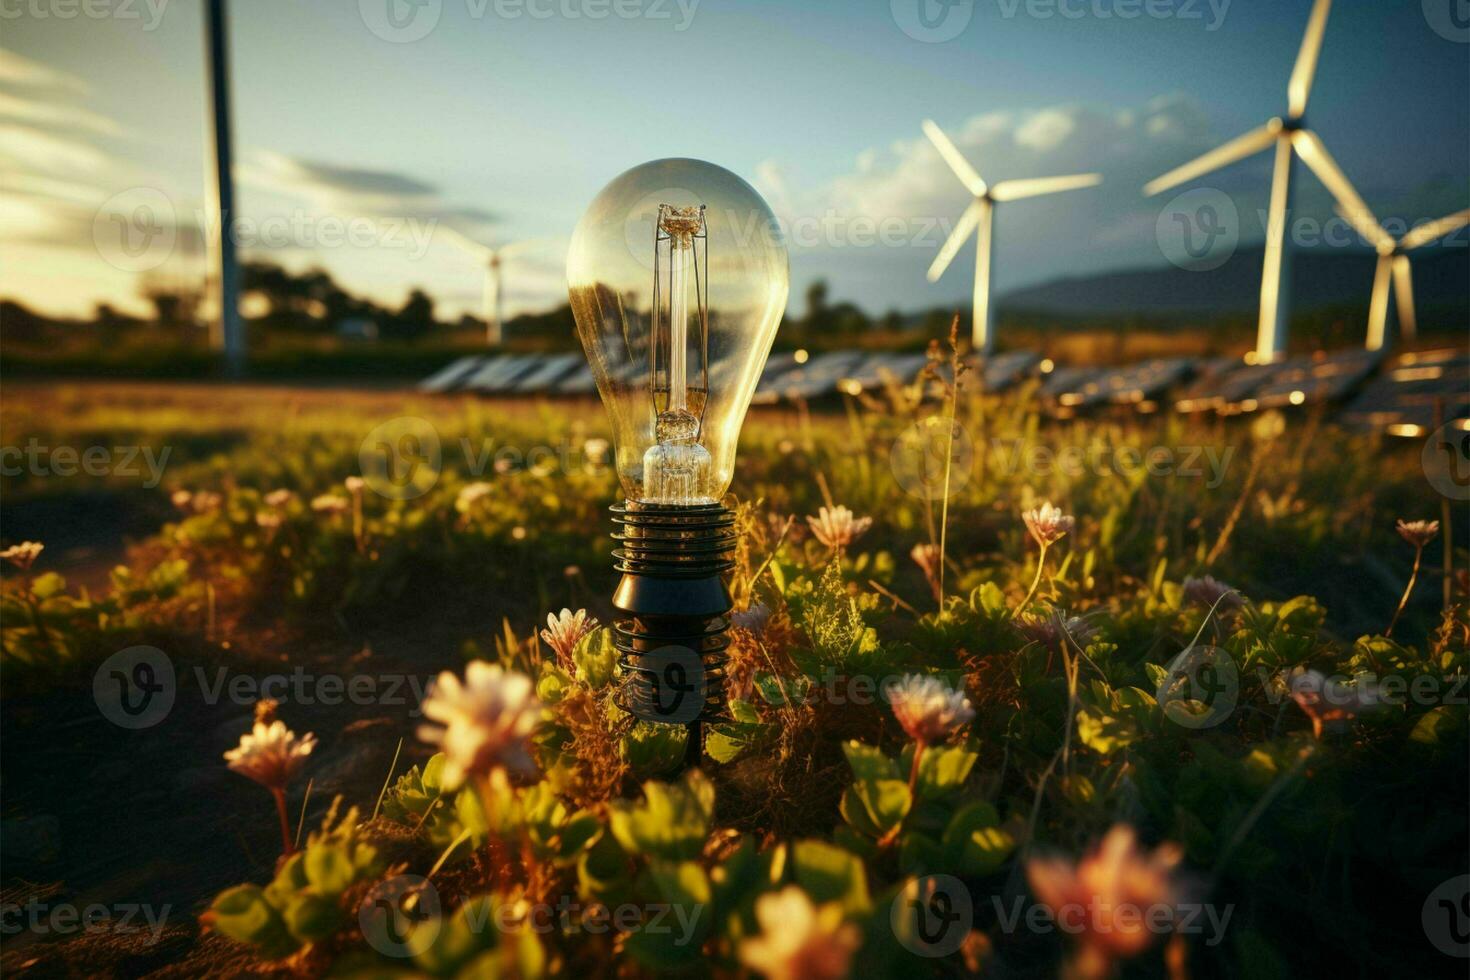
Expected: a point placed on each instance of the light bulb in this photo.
(678, 279)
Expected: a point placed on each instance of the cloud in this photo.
(16, 70)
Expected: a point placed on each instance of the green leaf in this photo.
(243, 914)
(1438, 725)
(831, 874)
(869, 762)
(942, 768)
(1103, 733)
(312, 917)
(974, 842)
(48, 585)
(673, 822)
(886, 801)
(329, 869)
(595, 658)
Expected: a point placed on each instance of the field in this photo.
(1207, 651)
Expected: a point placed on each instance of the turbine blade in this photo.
(1311, 149)
(465, 242)
(1434, 230)
(983, 326)
(1378, 306)
(1372, 232)
(1403, 288)
(956, 160)
(1014, 190)
(1300, 85)
(1237, 149)
(962, 229)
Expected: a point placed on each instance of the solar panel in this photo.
(497, 374)
(879, 369)
(545, 376)
(818, 376)
(449, 378)
(1322, 378)
(1417, 390)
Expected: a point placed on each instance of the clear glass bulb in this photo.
(678, 279)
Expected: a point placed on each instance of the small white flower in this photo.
(330, 503)
(1418, 533)
(354, 485)
(503, 466)
(565, 630)
(837, 527)
(207, 500)
(270, 754)
(485, 723)
(268, 520)
(799, 940)
(279, 498)
(1048, 524)
(181, 499)
(470, 493)
(926, 556)
(596, 450)
(927, 708)
(23, 555)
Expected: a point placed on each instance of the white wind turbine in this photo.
(979, 218)
(494, 259)
(1291, 139)
(1394, 273)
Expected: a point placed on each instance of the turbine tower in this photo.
(1394, 273)
(494, 258)
(1290, 138)
(979, 218)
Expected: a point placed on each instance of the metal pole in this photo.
(229, 336)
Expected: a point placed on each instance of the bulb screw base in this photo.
(675, 606)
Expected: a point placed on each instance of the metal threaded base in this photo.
(672, 639)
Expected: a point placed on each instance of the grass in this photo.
(1079, 722)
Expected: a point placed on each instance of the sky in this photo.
(365, 128)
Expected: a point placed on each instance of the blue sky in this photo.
(504, 125)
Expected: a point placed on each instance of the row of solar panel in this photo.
(1404, 393)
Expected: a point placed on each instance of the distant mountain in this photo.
(1319, 278)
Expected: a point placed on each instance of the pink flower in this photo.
(1418, 533)
(799, 940)
(1048, 524)
(1048, 631)
(928, 709)
(23, 555)
(1106, 898)
(1207, 591)
(270, 754)
(485, 723)
(564, 631)
(837, 527)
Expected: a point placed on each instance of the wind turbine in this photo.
(1291, 138)
(494, 259)
(1394, 273)
(979, 218)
